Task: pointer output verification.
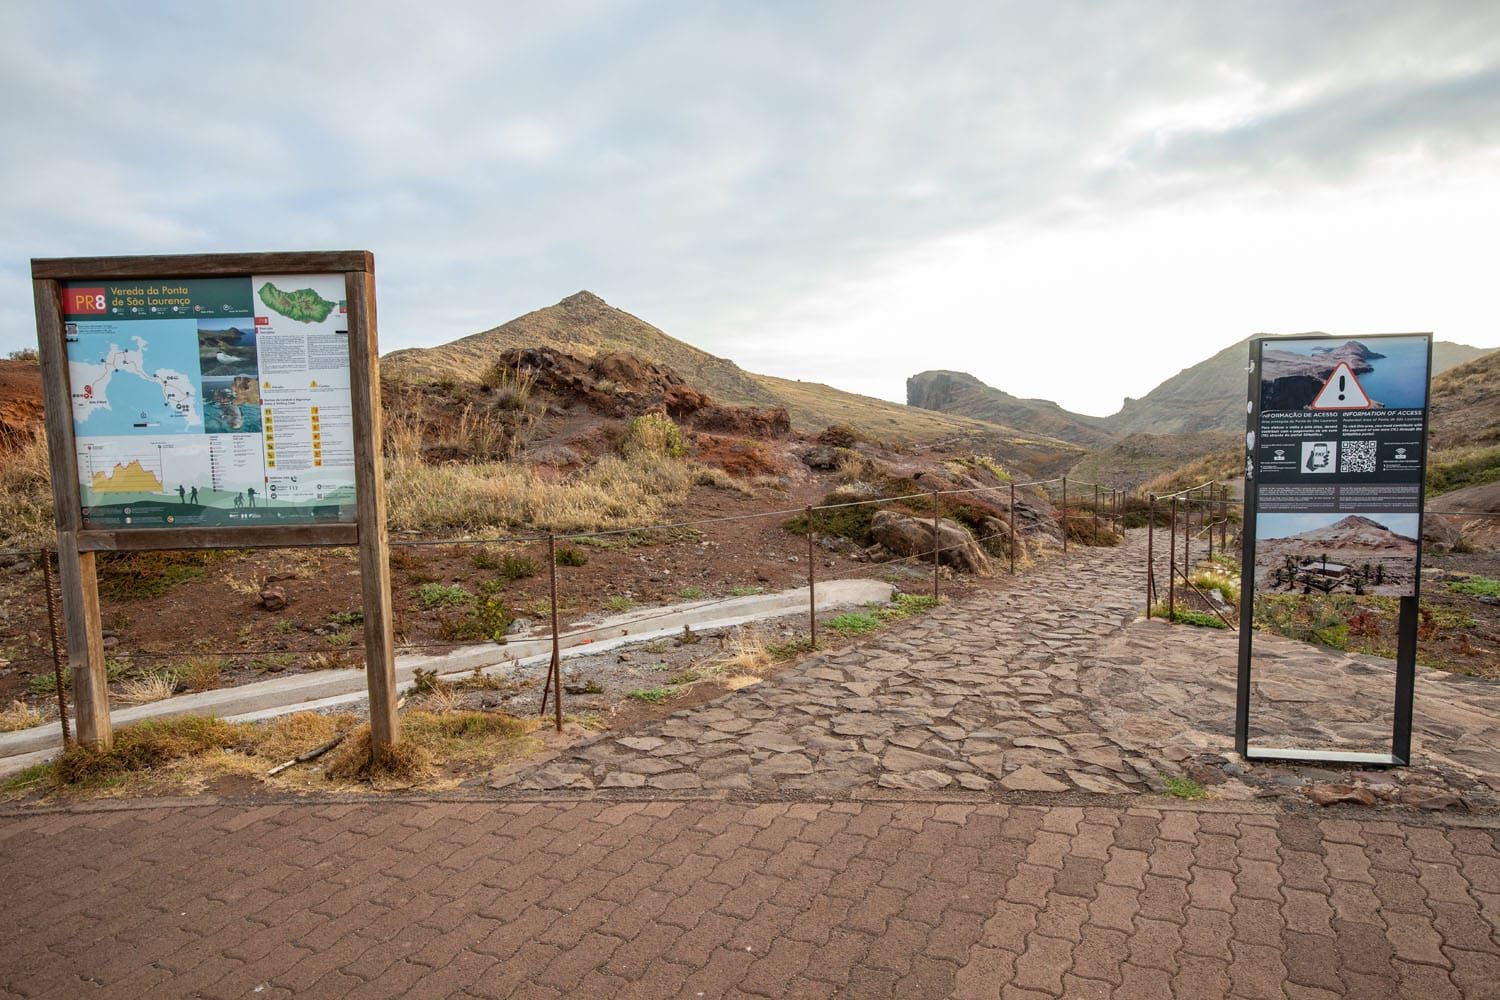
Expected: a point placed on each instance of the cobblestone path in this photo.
(723, 898)
(981, 694)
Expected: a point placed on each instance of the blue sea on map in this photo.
(170, 344)
(1399, 380)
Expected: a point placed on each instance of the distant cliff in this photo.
(963, 394)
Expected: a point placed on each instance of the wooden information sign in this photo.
(212, 401)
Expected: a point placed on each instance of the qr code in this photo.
(1357, 456)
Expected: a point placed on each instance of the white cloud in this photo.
(795, 186)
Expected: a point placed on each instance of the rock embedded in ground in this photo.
(273, 598)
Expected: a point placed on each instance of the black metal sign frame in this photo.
(1406, 639)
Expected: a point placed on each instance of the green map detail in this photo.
(304, 305)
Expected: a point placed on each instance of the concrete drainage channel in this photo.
(333, 688)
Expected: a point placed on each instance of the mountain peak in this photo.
(583, 299)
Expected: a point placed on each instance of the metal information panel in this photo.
(211, 401)
(1335, 462)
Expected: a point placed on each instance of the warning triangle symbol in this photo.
(1342, 391)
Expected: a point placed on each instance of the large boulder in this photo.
(909, 536)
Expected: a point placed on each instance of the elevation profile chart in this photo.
(218, 401)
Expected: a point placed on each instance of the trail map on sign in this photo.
(220, 401)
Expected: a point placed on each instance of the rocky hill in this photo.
(583, 325)
(962, 393)
(1466, 404)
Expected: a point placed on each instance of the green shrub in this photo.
(1185, 788)
(569, 555)
(438, 595)
(1476, 586)
(654, 434)
(691, 593)
(653, 695)
(852, 623)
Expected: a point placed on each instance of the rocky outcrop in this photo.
(904, 535)
(964, 395)
(624, 385)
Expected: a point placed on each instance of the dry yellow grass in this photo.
(19, 716)
(26, 519)
(614, 492)
(154, 685)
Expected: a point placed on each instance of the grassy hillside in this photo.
(584, 325)
(1466, 404)
(1138, 458)
(962, 394)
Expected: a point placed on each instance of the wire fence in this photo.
(1081, 512)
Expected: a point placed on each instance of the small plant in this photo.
(153, 685)
(655, 434)
(653, 696)
(44, 684)
(200, 673)
(347, 619)
(655, 647)
(512, 386)
(683, 678)
(518, 568)
(688, 637)
(791, 649)
(337, 639)
(489, 619)
(19, 716)
(274, 662)
(1187, 616)
(1476, 586)
(570, 555)
(589, 687)
(745, 591)
(691, 593)
(1185, 788)
(905, 606)
(618, 604)
(852, 623)
(438, 595)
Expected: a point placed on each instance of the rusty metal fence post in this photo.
(1172, 566)
(54, 625)
(1208, 519)
(1064, 512)
(554, 669)
(1013, 539)
(1096, 513)
(1187, 542)
(936, 536)
(1150, 552)
(812, 584)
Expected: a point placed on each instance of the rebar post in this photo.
(812, 585)
(1150, 552)
(1064, 518)
(935, 537)
(1013, 527)
(1208, 509)
(1172, 566)
(54, 623)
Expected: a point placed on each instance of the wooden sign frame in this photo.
(77, 546)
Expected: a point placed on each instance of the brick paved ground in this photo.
(718, 898)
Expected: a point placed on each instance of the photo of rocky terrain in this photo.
(1366, 554)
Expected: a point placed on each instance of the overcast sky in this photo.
(1069, 201)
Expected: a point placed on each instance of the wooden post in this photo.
(78, 584)
(935, 545)
(812, 585)
(369, 489)
(1013, 540)
(1208, 519)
